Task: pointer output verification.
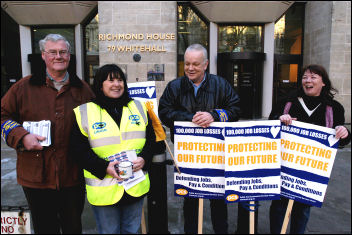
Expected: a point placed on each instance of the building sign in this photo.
(147, 37)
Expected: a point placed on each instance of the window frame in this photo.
(33, 27)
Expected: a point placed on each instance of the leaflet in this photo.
(41, 128)
(137, 176)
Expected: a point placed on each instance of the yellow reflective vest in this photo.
(107, 139)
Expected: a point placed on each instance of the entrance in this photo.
(244, 71)
(286, 73)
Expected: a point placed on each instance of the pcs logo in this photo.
(232, 197)
(134, 119)
(99, 127)
(181, 192)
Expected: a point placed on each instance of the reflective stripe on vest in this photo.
(101, 183)
(125, 135)
(140, 109)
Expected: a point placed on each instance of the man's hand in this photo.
(31, 142)
(138, 164)
(203, 119)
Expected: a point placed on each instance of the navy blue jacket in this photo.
(178, 102)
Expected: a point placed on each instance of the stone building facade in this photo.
(153, 24)
(147, 32)
(327, 41)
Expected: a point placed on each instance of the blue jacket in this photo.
(178, 102)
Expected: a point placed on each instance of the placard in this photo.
(307, 154)
(144, 91)
(200, 155)
(252, 161)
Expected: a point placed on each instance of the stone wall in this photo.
(327, 41)
(340, 54)
(317, 33)
(141, 19)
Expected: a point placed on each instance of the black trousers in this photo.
(243, 218)
(218, 215)
(56, 211)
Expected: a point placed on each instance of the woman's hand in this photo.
(110, 170)
(138, 164)
(287, 119)
(341, 132)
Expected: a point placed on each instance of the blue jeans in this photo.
(299, 216)
(119, 219)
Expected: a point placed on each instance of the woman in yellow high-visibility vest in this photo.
(113, 123)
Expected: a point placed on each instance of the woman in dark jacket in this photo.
(113, 215)
(308, 104)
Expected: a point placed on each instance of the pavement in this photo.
(334, 217)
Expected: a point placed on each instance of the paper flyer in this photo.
(41, 128)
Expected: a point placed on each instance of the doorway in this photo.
(286, 74)
(244, 71)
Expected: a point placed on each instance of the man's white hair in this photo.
(198, 47)
(53, 38)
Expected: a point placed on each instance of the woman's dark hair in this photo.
(327, 91)
(103, 73)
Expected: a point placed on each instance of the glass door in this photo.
(244, 71)
(245, 83)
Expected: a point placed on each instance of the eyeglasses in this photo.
(63, 53)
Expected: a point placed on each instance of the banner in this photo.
(144, 91)
(307, 156)
(200, 156)
(252, 161)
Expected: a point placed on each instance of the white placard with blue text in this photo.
(252, 161)
(308, 152)
(199, 153)
(144, 91)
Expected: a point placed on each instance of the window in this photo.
(289, 30)
(11, 69)
(91, 31)
(39, 33)
(288, 50)
(240, 39)
(91, 36)
(191, 28)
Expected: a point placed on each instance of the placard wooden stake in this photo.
(287, 216)
(251, 218)
(168, 148)
(143, 225)
(200, 216)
